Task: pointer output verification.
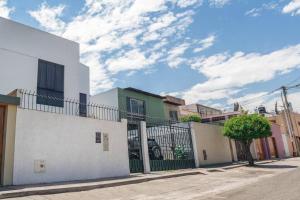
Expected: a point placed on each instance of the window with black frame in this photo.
(173, 116)
(50, 86)
(136, 108)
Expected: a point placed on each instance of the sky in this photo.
(213, 52)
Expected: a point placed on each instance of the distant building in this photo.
(201, 110)
(281, 120)
(171, 107)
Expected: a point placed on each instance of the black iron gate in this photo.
(170, 146)
(135, 147)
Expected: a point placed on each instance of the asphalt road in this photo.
(274, 181)
(284, 186)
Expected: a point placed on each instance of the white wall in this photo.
(21, 47)
(67, 144)
(109, 98)
(210, 138)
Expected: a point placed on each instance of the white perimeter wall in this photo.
(20, 48)
(67, 145)
(210, 138)
(109, 98)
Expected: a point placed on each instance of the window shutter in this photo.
(50, 76)
(59, 78)
(82, 105)
(128, 104)
(42, 74)
(50, 84)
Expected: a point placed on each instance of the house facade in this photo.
(41, 62)
(280, 119)
(202, 110)
(133, 103)
(172, 107)
(48, 130)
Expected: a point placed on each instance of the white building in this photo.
(45, 137)
(29, 55)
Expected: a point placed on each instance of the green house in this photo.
(134, 103)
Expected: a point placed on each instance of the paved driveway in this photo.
(271, 181)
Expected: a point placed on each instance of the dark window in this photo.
(173, 115)
(136, 108)
(50, 86)
(82, 105)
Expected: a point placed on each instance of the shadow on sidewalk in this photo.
(275, 166)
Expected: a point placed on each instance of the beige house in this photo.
(171, 107)
(201, 110)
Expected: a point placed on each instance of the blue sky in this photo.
(215, 52)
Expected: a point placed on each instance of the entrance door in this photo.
(2, 116)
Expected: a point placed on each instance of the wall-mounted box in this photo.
(105, 142)
(39, 166)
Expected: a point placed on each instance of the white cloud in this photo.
(132, 60)
(5, 11)
(218, 3)
(174, 58)
(205, 43)
(226, 74)
(255, 12)
(49, 17)
(186, 3)
(292, 8)
(253, 100)
(120, 35)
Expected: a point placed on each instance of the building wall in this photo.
(21, 47)
(276, 133)
(67, 146)
(154, 105)
(109, 98)
(170, 107)
(210, 138)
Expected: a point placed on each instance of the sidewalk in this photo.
(76, 186)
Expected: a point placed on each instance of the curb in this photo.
(13, 194)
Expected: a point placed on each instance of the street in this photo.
(272, 181)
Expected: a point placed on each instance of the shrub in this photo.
(191, 118)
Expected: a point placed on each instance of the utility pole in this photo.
(289, 119)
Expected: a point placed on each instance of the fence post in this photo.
(144, 143)
(194, 141)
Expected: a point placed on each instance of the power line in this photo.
(293, 87)
(293, 81)
(254, 99)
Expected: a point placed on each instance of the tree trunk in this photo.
(249, 157)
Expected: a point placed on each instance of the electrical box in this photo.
(105, 142)
(39, 166)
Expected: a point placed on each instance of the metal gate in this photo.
(170, 146)
(135, 148)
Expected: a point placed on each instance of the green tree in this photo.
(191, 118)
(245, 128)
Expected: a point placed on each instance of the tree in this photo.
(245, 128)
(191, 118)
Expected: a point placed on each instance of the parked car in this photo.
(135, 148)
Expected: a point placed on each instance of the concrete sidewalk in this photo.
(76, 186)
